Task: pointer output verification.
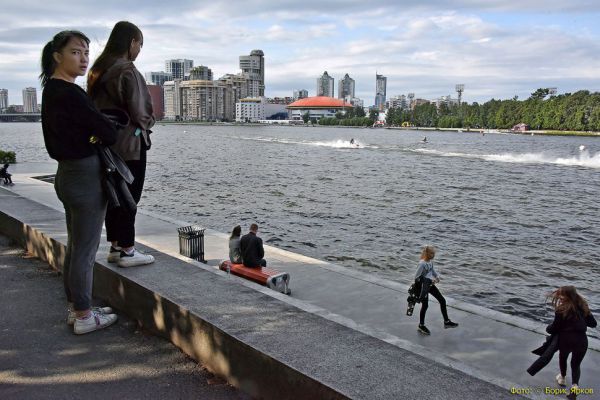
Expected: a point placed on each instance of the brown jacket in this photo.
(122, 86)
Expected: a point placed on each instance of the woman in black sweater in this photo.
(571, 319)
(69, 120)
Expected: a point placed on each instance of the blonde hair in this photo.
(428, 253)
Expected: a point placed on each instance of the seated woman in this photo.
(235, 254)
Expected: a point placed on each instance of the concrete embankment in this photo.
(342, 334)
(40, 358)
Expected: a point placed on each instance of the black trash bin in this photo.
(191, 242)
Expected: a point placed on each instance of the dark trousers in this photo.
(120, 223)
(434, 291)
(576, 345)
(78, 186)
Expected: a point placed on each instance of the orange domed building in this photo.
(317, 107)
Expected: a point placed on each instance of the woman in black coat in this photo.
(571, 319)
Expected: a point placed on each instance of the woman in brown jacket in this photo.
(114, 82)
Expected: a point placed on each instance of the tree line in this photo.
(579, 111)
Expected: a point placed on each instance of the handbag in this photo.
(116, 177)
(116, 172)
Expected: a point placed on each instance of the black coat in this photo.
(546, 352)
(251, 247)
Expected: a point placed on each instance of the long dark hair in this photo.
(119, 43)
(236, 232)
(567, 302)
(58, 42)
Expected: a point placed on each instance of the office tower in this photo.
(158, 78)
(346, 87)
(30, 100)
(300, 94)
(179, 69)
(325, 85)
(201, 73)
(3, 99)
(380, 89)
(254, 66)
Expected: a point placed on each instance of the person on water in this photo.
(352, 141)
(428, 277)
(424, 139)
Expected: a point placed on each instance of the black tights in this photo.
(434, 291)
(577, 346)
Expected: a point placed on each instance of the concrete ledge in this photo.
(266, 347)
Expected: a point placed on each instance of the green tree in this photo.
(305, 117)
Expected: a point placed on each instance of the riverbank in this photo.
(498, 131)
(402, 128)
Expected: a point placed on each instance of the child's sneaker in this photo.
(423, 329)
(94, 322)
(450, 324)
(100, 310)
(114, 254)
(561, 380)
(134, 258)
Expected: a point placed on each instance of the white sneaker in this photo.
(561, 380)
(93, 323)
(100, 310)
(134, 259)
(113, 254)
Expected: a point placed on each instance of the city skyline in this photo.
(497, 49)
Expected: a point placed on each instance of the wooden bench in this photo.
(265, 276)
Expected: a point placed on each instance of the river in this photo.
(512, 216)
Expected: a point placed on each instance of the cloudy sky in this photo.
(497, 48)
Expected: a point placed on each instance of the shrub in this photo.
(7, 157)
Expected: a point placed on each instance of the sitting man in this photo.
(251, 247)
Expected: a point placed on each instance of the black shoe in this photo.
(423, 329)
(450, 324)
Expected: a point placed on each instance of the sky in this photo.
(496, 48)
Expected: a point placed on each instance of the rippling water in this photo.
(512, 216)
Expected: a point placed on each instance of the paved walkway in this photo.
(40, 357)
(488, 345)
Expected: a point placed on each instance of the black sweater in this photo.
(69, 118)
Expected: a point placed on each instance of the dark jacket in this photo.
(546, 352)
(572, 324)
(252, 250)
(123, 87)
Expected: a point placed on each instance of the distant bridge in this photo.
(20, 117)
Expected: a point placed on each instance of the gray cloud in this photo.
(422, 46)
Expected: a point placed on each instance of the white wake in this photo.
(583, 159)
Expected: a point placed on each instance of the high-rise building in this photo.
(300, 94)
(158, 102)
(158, 78)
(30, 100)
(250, 109)
(179, 69)
(201, 73)
(254, 66)
(198, 100)
(3, 99)
(325, 85)
(380, 89)
(346, 87)
(399, 102)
